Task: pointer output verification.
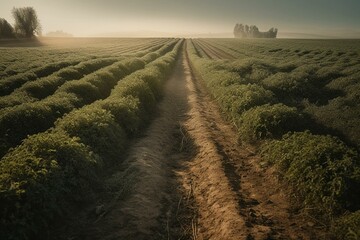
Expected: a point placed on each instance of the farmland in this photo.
(170, 138)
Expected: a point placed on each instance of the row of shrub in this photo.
(9, 84)
(19, 121)
(15, 61)
(50, 172)
(322, 172)
(32, 91)
(325, 86)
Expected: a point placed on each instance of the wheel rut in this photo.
(188, 178)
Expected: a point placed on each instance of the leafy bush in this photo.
(153, 77)
(268, 121)
(347, 227)
(123, 68)
(137, 88)
(15, 99)
(69, 74)
(253, 70)
(50, 171)
(96, 128)
(83, 90)
(94, 64)
(103, 81)
(126, 112)
(322, 171)
(236, 99)
(39, 178)
(18, 122)
(42, 87)
(11, 83)
(150, 57)
(285, 85)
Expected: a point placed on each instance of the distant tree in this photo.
(59, 33)
(236, 31)
(6, 30)
(26, 22)
(246, 31)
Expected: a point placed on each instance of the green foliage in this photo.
(69, 74)
(126, 112)
(42, 88)
(153, 77)
(17, 122)
(96, 128)
(322, 171)
(6, 30)
(236, 99)
(137, 88)
(268, 121)
(253, 70)
(85, 91)
(9, 84)
(39, 178)
(50, 171)
(103, 81)
(285, 85)
(347, 227)
(26, 22)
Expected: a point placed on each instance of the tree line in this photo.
(27, 24)
(252, 31)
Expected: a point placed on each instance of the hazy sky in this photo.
(93, 17)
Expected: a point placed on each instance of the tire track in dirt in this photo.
(187, 178)
(236, 198)
(152, 208)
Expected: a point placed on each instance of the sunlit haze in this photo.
(193, 18)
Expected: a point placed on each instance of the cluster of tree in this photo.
(246, 31)
(58, 33)
(26, 24)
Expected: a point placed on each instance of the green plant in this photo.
(39, 178)
(347, 227)
(322, 171)
(268, 121)
(96, 128)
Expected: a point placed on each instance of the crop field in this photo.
(165, 138)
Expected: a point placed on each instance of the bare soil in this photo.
(189, 178)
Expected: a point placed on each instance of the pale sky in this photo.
(96, 17)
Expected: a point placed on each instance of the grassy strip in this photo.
(322, 172)
(53, 170)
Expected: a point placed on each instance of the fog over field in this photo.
(193, 18)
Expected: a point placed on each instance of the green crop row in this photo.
(36, 88)
(11, 83)
(322, 172)
(56, 169)
(19, 121)
(32, 91)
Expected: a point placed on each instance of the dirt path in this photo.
(189, 179)
(236, 198)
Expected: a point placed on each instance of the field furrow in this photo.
(32, 91)
(39, 116)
